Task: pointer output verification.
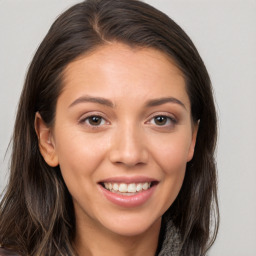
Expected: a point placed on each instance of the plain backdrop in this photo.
(225, 35)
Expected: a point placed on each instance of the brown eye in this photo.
(95, 120)
(161, 120)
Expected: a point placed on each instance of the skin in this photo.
(128, 142)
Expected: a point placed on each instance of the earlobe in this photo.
(193, 141)
(45, 141)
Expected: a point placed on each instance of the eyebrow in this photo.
(98, 100)
(106, 102)
(161, 101)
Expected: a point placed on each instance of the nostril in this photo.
(130, 159)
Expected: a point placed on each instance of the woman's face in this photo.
(122, 137)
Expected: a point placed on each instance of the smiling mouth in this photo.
(127, 189)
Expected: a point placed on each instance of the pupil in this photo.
(95, 120)
(160, 120)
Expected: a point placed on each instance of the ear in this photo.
(45, 141)
(193, 141)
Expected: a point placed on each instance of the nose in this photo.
(129, 147)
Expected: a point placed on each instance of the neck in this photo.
(90, 241)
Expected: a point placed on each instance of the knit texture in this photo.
(170, 240)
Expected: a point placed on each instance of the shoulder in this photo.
(5, 252)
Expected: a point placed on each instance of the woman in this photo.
(113, 147)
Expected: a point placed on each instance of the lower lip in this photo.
(128, 201)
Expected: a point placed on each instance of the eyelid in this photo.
(168, 115)
(168, 126)
(82, 119)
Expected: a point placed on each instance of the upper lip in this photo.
(135, 179)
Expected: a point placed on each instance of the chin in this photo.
(132, 225)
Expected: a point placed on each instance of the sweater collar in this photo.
(169, 239)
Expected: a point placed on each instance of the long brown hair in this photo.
(36, 212)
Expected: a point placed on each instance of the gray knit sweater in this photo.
(171, 241)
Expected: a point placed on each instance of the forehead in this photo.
(113, 53)
(117, 70)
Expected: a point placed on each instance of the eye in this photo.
(162, 120)
(94, 120)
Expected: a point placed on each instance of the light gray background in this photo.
(225, 35)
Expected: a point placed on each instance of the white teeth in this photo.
(139, 187)
(132, 188)
(145, 186)
(115, 187)
(124, 188)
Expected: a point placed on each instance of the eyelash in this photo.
(171, 121)
(86, 120)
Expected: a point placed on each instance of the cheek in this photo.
(171, 156)
(172, 159)
(79, 155)
(173, 164)
(172, 153)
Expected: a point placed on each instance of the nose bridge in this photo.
(128, 146)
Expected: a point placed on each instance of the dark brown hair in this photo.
(36, 212)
